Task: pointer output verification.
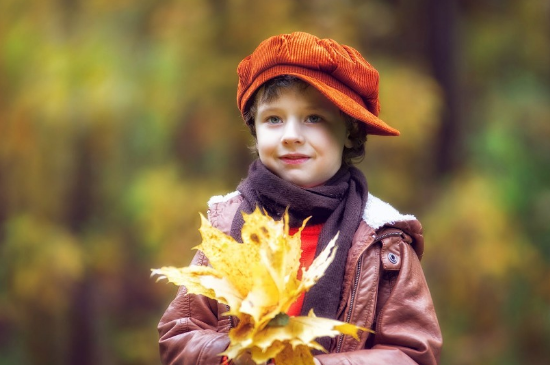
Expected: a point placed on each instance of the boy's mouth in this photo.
(294, 159)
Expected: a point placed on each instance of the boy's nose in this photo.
(292, 132)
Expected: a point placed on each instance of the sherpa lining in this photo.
(378, 213)
(222, 198)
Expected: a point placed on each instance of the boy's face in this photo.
(301, 136)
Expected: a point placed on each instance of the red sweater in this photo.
(310, 236)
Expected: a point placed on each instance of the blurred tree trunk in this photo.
(81, 349)
(443, 50)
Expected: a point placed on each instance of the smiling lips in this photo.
(294, 159)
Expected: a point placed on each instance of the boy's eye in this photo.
(273, 120)
(314, 119)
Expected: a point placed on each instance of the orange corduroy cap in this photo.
(339, 72)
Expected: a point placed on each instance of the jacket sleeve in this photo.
(407, 329)
(192, 330)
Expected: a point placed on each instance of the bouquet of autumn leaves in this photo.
(259, 281)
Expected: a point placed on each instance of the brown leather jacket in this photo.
(384, 289)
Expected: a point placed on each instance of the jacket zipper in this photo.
(353, 290)
(356, 283)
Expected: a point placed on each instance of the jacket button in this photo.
(393, 258)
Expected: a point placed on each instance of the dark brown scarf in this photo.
(339, 204)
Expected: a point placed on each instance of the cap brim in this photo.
(344, 102)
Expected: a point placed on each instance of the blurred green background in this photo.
(118, 121)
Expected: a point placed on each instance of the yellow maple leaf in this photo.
(258, 279)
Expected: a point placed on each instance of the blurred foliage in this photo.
(118, 122)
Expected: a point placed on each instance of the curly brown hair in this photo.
(271, 89)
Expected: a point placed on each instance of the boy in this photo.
(310, 103)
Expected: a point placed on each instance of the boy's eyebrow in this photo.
(268, 108)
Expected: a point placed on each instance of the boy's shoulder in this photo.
(377, 213)
(222, 209)
(380, 215)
